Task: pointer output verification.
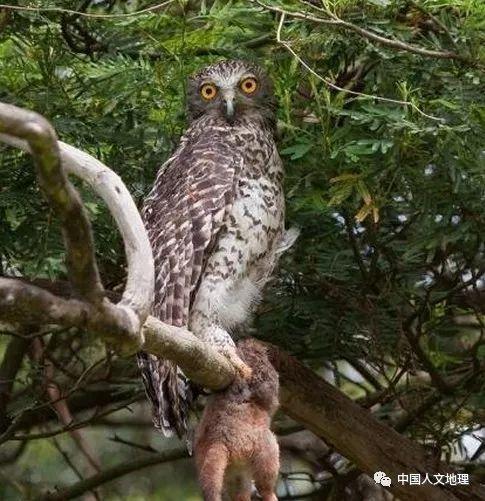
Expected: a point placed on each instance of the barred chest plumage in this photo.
(258, 209)
(246, 250)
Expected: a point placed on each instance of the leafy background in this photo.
(388, 197)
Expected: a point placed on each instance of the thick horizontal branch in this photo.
(307, 398)
(28, 304)
(359, 436)
(353, 431)
(121, 323)
(200, 363)
(25, 304)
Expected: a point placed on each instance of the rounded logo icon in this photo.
(386, 482)
(381, 478)
(378, 476)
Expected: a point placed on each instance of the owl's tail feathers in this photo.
(169, 393)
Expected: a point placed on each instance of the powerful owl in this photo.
(215, 219)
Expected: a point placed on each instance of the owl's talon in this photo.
(241, 367)
(245, 371)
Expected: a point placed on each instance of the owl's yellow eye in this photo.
(208, 91)
(249, 85)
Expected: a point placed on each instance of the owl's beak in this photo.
(229, 108)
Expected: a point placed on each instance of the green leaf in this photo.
(297, 151)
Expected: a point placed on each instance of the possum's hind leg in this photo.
(211, 465)
(265, 465)
(238, 483)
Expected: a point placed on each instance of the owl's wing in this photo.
(183, 215)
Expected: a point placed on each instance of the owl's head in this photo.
(232, 90)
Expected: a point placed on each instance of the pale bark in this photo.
(138, 294)
(61, 195)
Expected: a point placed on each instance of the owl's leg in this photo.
(224, 344)
(205, 323)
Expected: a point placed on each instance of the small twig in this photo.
(364, 372)
(370, 35)
(113, 473)
(66, 458)
(86, 14)
(435, 20)
(341, 89)
(18, 486)
(127, 423)
(410, 417)
(143, 447)
(356, 251)
(60, 405)
(13, 456)
(428, 365)
(74, 425)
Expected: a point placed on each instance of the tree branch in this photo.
(138, 293)
(21, 302)
(357, 435)
(29, 305)
(12, 360)
(151, 9)
(113, 473)
(199, 361)
(333, 86)
(61, 195)
(60, 405)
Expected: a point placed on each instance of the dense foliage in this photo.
(385, 179)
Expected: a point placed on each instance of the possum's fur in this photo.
(233, 443)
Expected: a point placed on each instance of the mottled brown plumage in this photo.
(215, 219)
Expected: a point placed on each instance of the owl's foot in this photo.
(241, 367)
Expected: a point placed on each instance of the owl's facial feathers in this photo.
(232, 90)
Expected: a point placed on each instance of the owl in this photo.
(215, 220)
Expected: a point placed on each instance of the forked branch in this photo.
(120, 324)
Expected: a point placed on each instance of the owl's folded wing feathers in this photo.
(183, 215)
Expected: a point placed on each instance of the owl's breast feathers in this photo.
(219, 177)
